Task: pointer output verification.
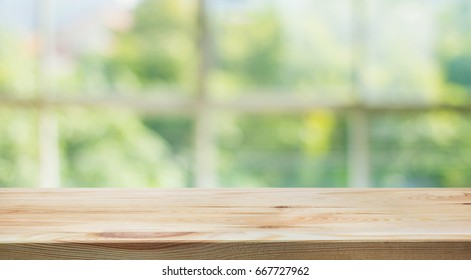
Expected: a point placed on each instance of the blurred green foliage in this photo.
(306, 150)
(115, 149)
(16, 66)
(18, 148)
(158, 50)
(421, 149)
(263, 50)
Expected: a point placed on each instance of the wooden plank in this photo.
(235, 224)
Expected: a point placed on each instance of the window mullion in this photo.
(49, 166)
(205, 150)
(358, 124)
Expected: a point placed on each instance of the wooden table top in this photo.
(235, 223)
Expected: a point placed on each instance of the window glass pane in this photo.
(299, 48)
(18, 48)
(282, 150)
(421, 150)
(125, 47)
(122, 149)
(417, 51)
(455, 51)
(18, 148)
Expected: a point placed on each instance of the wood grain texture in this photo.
(235, 224)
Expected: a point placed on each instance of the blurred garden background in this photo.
(235, 93)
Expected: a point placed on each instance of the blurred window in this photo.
(235, 93)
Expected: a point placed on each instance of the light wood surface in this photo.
(235, 224)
